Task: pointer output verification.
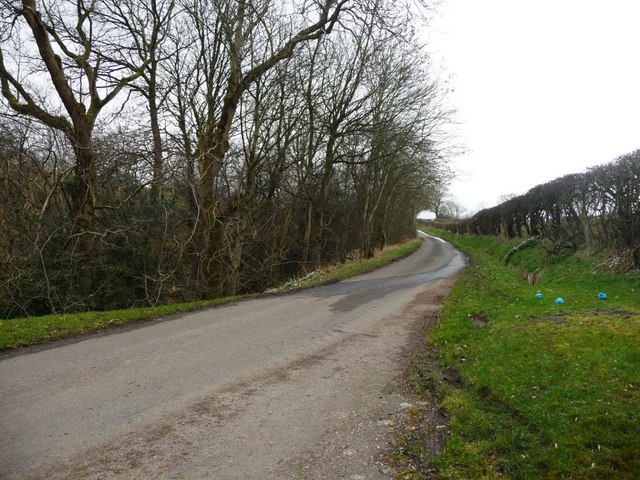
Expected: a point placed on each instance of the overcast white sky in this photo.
(542, 88)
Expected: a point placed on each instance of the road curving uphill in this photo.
(294, 386)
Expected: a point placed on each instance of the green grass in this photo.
(351, 268)
(22, 332)
(547, 391)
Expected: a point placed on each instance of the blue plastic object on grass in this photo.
(602, 296)
(539, 296)
(559, 300)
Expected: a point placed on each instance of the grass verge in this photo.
(533, 389)
(351, 268)
(22, 332)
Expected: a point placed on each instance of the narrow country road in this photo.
(282, 387)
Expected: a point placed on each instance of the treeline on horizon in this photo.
(176, 150)
(598, 209)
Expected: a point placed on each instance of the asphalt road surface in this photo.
(279, 387)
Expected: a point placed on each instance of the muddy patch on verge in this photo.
(422, 432)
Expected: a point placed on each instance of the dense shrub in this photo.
(599, 209)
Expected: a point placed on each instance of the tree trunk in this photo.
(82, 187)
(307, 235)
(158, 167)
(316, 246)
(235, 274)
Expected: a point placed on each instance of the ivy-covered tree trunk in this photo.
(81, 189)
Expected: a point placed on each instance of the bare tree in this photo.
(237, 43)
(146, 26)
(68, 40)
(272, 137)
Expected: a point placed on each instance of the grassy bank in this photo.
(21, 332)
(533, 389)
(351, 268)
